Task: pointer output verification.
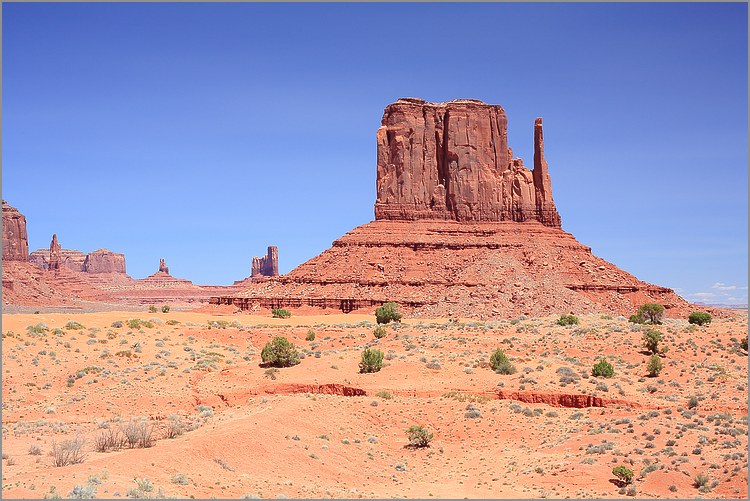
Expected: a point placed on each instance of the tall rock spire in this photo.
(545, 206)
(54, 254)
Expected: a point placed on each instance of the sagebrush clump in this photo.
(501, 364)
(419, 436)
(567, 320)
(603, 369)
(379, 332)
(280, 313)
(279, 352)
(389, 312)
(372, 361)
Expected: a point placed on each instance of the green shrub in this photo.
(74, 326)
(603, 369)
(379, 332)
(280, 313)
(699, 318)
(654, 366)
(743, 343)
(387, 313)
(372, 361)
(568, 320)
(500, 363)
(279, 352)
(152, 309)
(623, 473)
(419, 436)
(165, 308)
(652, 312)
(39, 328)
(701, 480)
(651, 340)
(310, 335)
(637, 319)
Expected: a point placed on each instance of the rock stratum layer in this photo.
(452, 161)
(15, 238)
(462, 229)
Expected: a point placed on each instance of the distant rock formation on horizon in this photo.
(163, 268)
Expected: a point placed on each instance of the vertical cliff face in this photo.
(104, 261)
(15, 238)
(452, 161)
(55, 260)
(268, 265)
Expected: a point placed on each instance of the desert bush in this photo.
(109, 440)
(174, 427)
(385, 395)
(567, 320)
(700, 480)
(654, 366)
(310, 336)
(139, 433)
(651, 312)
(743, 343)
(692, 402)
(35, 450)
(180, 479)
(117, 324)
(636, 319)
(699, 318)
(165, 308)
(75, 326)
(39, 328)
(279, 352)
(500, 363)
(419, 436)
(379, 332)
(280, 313)
(623, 473)
(372, 361)
(389, 312)
(152, 309)
(603, 369)
(83, 492)
(68, 452)
(651, 340)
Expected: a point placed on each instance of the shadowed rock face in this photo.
(268, 265)
(451, 161)
(15, 238)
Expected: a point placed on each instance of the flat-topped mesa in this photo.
(451, 161)
(15, 239)
(268, 265)
(104, 261)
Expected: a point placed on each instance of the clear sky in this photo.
(202, 133)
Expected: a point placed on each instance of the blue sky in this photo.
(202, 133)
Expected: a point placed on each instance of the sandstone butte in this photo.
(268, 265)
(461, 228)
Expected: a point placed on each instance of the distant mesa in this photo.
(15, 239)
(268, 265)
(461, 228)
(98, 261)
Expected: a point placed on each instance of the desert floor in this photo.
(322, 429)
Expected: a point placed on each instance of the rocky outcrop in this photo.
(268, 265)
(163, 266)
(452, 161)
(15, 239)
(104, 261)
(55, 262)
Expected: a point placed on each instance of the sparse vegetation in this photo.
(165, 308)
(569, 319)
(651, 339)
(501, 364)
(372, 361)
(389, 312)
(74, 326)
(700, 480)
(623, 473)
(419, 436)
(310, 336)
(699, 318)
(152, 309)
(743, 343)
(603, 369)
(636, 319)
(280, 313)
(68, 452)
(654, 366)
(379, 332)
(279, 352)
(651, 312)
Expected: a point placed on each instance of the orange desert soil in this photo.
(322, 429)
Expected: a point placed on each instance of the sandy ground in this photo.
(322, 429)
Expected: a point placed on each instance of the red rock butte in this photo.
(461, 229)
